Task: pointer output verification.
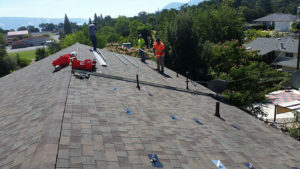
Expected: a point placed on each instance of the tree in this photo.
(2, 46)
(54, 47)
(74, 26)
(142, 16)
(108, 21)
(82, 36)
(183, 44)
(101, 17)
(249, 79)
(32, 29)
(95, 18)
(22, 28)
(3, 31)
(122, 25)
(40, 54)
(47, 26)
(90, 21)
(110, 34)
(219, 25)
(294, 130)
(67, 25)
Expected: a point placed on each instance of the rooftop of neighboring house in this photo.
(267, 45)
(55, 120)
(19, 42)
(277, 17)
(17, 33)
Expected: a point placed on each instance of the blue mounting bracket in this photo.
(128, 111)
(197, 121)
(249, 165)
(173, 117)
(219, 164)
(236, 127)
(155, 160)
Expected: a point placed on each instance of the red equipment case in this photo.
(88, 64)
(62, 61)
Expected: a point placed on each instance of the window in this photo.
(290, 55)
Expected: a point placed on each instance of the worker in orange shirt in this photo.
(159, 52)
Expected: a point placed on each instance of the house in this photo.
(277, 51)
(55, 120)
(17, 34)
(281, 22)
(31, 41)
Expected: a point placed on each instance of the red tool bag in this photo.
(88, 64)
(62, 61)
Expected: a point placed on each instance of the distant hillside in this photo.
(174, 5)
(16, 22)
(194, 2)
(177, 5)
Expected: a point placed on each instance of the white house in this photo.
(281, 22)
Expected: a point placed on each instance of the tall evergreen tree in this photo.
(67, 25)
(90, 21)
(95, 17)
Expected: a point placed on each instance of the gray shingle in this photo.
(267, 45)
(277, 17)
(97, 133)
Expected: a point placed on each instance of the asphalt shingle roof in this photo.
(267, 45)
(277, 17)
(54, 120)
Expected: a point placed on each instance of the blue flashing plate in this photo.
(221, 165)
(150, 94)
(248, 165)
(295, 168)
(155, 161)
(236, 127)
(197, 121)
(128, 111)
(115, 89)
(173, 117)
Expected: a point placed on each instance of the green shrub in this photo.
(10, 64)
(40, 54)
(54, 47)
(82, 37)
(21, 61)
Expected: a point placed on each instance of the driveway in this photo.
(9, 50)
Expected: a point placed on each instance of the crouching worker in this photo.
(63, 61)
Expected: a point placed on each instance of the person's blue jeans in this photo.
(94, 41)
(143, 59)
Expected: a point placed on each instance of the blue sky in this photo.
(79, 8)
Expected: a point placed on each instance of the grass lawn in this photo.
(26, 56)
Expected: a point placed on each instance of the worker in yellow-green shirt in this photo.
(141, 44)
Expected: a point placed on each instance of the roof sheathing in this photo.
(97, 133)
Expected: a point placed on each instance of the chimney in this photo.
(281, 45)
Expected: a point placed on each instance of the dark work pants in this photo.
(143, 59)
(94, 41)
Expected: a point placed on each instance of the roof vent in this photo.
(279, 38)
(248, 48)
